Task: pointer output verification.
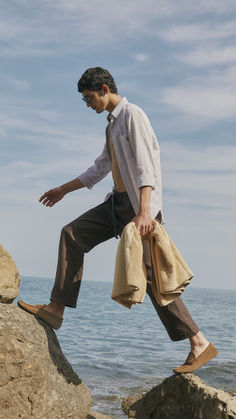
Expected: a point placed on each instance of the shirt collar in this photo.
(117, 109)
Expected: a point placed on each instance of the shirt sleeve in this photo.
(142, 141)
(100, 169)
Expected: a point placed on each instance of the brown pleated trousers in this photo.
(97, 225)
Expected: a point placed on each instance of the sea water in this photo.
(119, 352)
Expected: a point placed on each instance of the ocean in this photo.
(119, 352)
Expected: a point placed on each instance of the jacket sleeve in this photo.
(142, 141)
(100, 168)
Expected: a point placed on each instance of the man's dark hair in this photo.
(94, 78)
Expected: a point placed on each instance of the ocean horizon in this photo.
(119, 352)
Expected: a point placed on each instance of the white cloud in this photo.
(19, 85)
(213, 104)
(11, 28)
(211, 96)
(196, 32)
(204, 176)
(138, 8)
(36, 123)
(142, 57)
(209, 56)
(204, 158)
(64, 26)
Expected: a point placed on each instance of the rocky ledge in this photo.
(183, 396)
(36, 380)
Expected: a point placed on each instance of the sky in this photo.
(177, 61)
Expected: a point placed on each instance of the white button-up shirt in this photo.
(138, 156)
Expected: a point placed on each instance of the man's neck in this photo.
(113, 102)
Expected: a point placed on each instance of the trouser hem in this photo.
(60, 300)
(187, 335)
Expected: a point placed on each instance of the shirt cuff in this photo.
(146, 180)
(84, 179)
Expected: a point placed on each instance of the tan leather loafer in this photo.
(38, 310)
(192, 363)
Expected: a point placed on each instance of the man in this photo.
(131, 152)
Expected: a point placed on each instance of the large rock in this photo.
(182, 396)
(36, 380)
(9, 277)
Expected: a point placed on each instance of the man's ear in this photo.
(105, 89)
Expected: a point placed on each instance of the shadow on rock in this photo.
(63, 366)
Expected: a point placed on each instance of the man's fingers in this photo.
(45, 195)
(145, 230)
(41, 198)
(46, 201)
(150, 228)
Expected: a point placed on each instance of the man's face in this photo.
(95, 100)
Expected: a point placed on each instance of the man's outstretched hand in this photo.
(51, 197)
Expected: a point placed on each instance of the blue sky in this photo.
(177, 60)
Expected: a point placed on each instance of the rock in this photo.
(9, 277)
(36, 380)
(183, 396)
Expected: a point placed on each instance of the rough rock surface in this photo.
(36, 380)
(9, 277)
(183, 396)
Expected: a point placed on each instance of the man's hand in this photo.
(51, 197)
(143, 224)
